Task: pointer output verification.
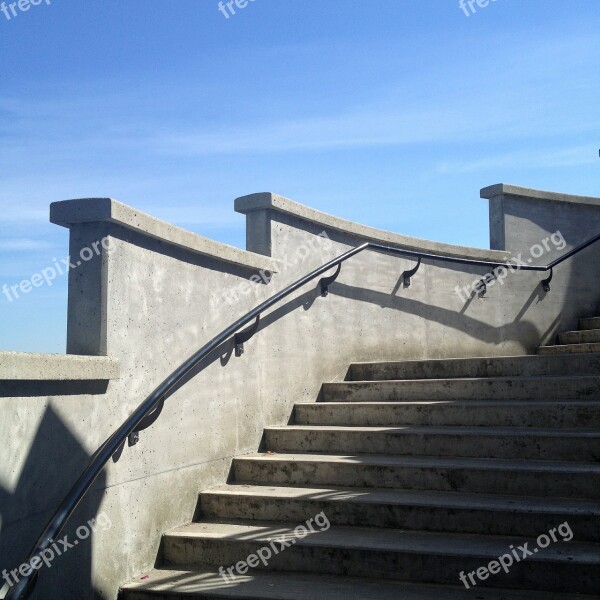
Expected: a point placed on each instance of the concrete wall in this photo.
(155, 293)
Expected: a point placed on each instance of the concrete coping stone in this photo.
(270, 201)
(24, 366)
(93, 210)
(495, 192)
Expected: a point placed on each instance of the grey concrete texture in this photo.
(160, 293)
(466, 413)
(566, 349)
(478, 442)
(24, 366)
(258, 209)
(521, 217)
(500, 366)
(580, 387)
(430, 557)
(413, 510)
(168, 584)
(450, 474)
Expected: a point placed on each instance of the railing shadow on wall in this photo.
(54, 459)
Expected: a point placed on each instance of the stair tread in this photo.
(388, 496)
(594, 331)
(455, 380)
(455, 360)
(589, 323)
(273, 585)
(470, 403)
(584, 347)
(446, 430)
(429, 461)
(374, 539)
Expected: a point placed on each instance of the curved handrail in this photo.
(24, 587)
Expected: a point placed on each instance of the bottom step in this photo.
(208, 584)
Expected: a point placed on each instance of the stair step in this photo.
(507, 388)
(570, 349)
(591, 323)
(485, 476)
(422, 557)
(503, 366)
(437, 413)
(586, 336)
(476, 442)
(207, 584)
(404, 509)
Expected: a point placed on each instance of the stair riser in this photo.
(281, 472)
(415, 567)
(516, 389)
(593, 323)
(579, 349)
(587, 336)
(407, 517)
(528, 366)
(378, 415)
(406, 444)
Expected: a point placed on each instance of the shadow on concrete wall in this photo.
(54, 462)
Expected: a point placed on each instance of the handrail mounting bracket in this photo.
(408, 274)
(327, 281)
(546, 282)
(243, 336)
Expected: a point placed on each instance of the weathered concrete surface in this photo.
(498, 366)
(167, 584)
(15, 366)
(107, 210)
(569, 349)
(521, 217)
(259, 209)
(422, 440)
(579, 387)
(492, 413)
(472, 475)
(383, 553)
(159, 294)
(412, 510)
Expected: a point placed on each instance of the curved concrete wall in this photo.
(158, 293)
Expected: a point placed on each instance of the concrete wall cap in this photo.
(268, 200)
(494, 192)
(24, 366)
(90, 210)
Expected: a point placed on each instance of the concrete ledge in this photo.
(21, 366)
(93, 210)
(268, 200)
(498, 190)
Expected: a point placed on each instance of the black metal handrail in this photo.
(152, 405)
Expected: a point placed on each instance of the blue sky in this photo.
(393, 114)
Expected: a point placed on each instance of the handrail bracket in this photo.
(408, 274)
(546, 282)
(327, 281)
(243, 336)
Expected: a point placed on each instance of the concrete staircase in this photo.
(423, 470)
(586, 339)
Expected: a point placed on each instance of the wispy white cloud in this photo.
(24, 244)
(530, 159)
